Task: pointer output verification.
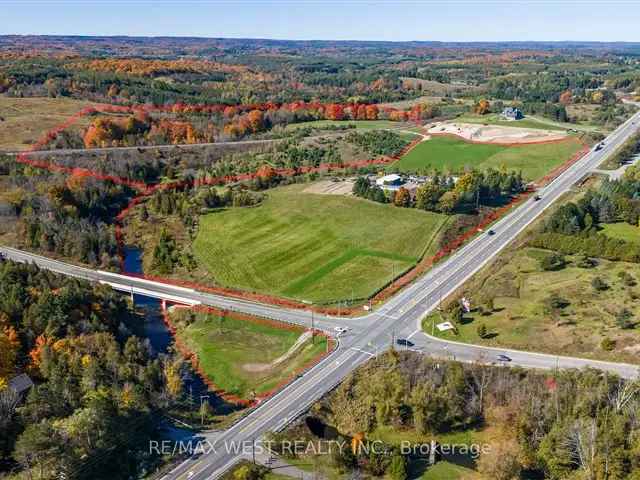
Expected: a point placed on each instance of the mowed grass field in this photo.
(321, 248)
(622, 231)
(522, 318)
(527, 122)
(456, 155)
(25, 120)
(229, 350)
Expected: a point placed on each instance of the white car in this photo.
(341, 330)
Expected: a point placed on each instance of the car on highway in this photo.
(491, 232)
(404, 342)
(340, 330)
(537, 198)
(503, 358)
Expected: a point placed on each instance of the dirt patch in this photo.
(329, 187)
(496, 134)
(262, 367)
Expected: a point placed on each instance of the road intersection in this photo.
(374, 332)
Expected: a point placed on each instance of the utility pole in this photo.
(310, 303)
(202, 408)
(253, 449)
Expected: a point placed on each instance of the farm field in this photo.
(25, 120)
(321, 248)
(621, 231)
(455, 155)
(237, 355)
(527, 122)
(528, 315)
(531, 121)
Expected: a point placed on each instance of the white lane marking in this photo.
(362, 351)
(414, 333)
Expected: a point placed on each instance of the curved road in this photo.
(369, 334)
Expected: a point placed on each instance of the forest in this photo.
(555, 425)
(574, 227)
(98, 386)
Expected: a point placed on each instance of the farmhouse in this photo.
(512, 113)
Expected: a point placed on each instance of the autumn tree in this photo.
(9, 347)
(334, 111)
(482, 107)
(402, 198)
(565, 97)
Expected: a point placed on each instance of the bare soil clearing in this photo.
(329, 187)
(496, 134)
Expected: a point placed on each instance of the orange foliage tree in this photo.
(482, 107)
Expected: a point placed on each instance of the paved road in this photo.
(398, 317)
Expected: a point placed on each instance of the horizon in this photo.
(458, 21)
(311, 40)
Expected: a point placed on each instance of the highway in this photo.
(370, 334)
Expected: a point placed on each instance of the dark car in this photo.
(491, 232)
(503, 358)
(537, 197)
(404, 342)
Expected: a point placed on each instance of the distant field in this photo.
(527, 122)
(495, 119)
(359, 124)
(314, 247)
(622, 231)
(229, 350)
(25, 120)
(452, 154)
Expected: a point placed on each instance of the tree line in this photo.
(446, 194)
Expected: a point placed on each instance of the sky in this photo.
(399, 20)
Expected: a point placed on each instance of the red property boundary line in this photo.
(146, 190)
(193, 359)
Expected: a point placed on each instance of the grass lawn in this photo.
(229, 351)
(448, 471)
(622, 231)
(359, 124)
(25, 120)
(314, 247)
(523, 319)
(452, 154)
(451, 468)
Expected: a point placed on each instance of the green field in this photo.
(455, 155)
(358, 124)
(622, 231)
(527, 122)
(229, 350)
(321, 248)
(523, 317)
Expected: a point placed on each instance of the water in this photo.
(154, 328)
